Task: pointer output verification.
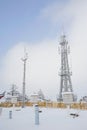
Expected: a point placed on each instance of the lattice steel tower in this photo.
(66, 90)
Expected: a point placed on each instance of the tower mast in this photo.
(66, 90)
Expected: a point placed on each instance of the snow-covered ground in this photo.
(50, 119)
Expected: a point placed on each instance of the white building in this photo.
(35, 97)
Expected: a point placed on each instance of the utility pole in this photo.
(24, 76)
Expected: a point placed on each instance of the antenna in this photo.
(24, 75)
(63, 30)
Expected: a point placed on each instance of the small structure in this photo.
(2, 95)
(35, 97)
(67, 97)
(84, 99)
(41, 95)
(14, 99)
(14, 96)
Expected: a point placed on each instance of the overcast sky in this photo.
(37, 26)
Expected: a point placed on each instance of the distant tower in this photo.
(66, 91)
(24, 74)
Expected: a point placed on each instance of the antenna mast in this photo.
(24, 76)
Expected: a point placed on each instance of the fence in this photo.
(47, 104)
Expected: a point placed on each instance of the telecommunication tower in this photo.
(66, 90)
(24, 75)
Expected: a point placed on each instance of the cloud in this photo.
(58, 13)
(65, 13)
(11, 70)
(78, 40)
(41, 67)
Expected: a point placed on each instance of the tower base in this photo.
(67, 97)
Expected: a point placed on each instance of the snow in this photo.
(50, 119)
